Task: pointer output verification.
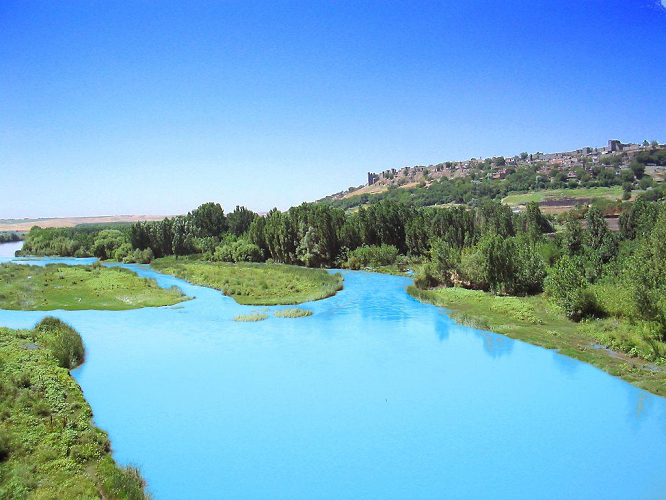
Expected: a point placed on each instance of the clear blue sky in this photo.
(156, 107)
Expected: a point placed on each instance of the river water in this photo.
(374, 396)
(9, 249)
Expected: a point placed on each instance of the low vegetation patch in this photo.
(49, 447)
(295, 312)
(58, 286)
(255, 316)
(255, 284)
(548, 194)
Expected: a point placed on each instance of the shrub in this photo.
(122, 482)
(238, 251)
(255, 316)
(294, 312)
(372, 256)
(63, 341)
(568, 286)
(5, 447)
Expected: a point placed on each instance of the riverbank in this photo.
(58, 286)
(49, 447)
(535, 320)
(255, 284)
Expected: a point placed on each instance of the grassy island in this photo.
(59, 286)
(536, 320)
(49, 447)
(255, 284)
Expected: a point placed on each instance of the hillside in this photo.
(568, 178)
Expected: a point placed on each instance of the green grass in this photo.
(536, 320)
(294, 312)
(255, 284)
(49, 447)
(597, 192)
(59, 286)
(255, 316)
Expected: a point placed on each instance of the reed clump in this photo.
(255, 316)
(293, 312)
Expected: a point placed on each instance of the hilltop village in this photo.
(570, 167)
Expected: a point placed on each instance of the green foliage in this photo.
(49, 447)
(573, 237)
(372, 256)
(64, 343)
(5, 446)
(208, 220)
(646, 276)
(80, 241)
(139, 256)
(238, 251)
(240, 220)
(107, 242)
(255, 284)
(79, 287)
(294, 312)
(9, 237)
(252, 317)
(566, 283)
(533, 222)
(121, 482)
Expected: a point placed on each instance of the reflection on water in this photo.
(374, 396)
(496, 345)
(7, 250)
(567, 366)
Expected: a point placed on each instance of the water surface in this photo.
(9, 249)
(375, 396)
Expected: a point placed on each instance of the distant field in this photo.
(26, 224)
(553, 194)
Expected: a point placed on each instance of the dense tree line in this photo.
(486, 247)
(9, 237)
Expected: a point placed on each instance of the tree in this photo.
(534, 223)
(602, 241)
(208, 220)
(107, 242)
(239, 220)
(574, 237)
(638, 169)
(567, 285)
(646, 274)
(181, 238)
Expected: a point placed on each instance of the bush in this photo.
(122, 482)
(5, 447)
(568, 286)
(140, 256)
(255, 316)
(372, 256)
(294, 312)
(238, 251)
(63, 341)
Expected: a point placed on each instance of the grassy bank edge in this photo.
(539, 325)
(50, 446)
(80, 287)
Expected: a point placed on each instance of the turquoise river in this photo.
(375, 396)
